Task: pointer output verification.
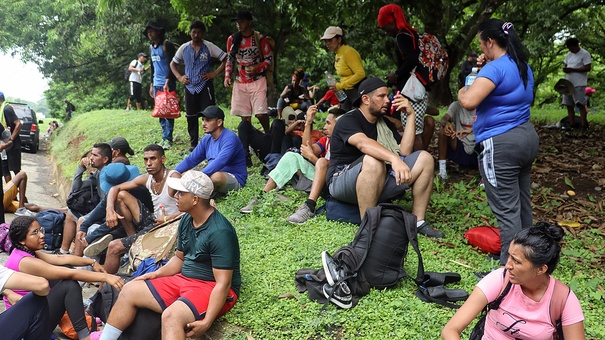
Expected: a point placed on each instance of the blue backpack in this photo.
(52, 222)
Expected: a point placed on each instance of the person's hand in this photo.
(463, 133)
(306, 150)
(11, 296)
(195, 329)
(112, 217)
(208, 76)
(402, 104)
(311, 111)
(250, 70)
(567, 69)
(332, 87)
(85, 162)
(392, 79)
(114, 280)
(449, 130)
(184, 79)
(81, 236)
(148, 276)
(151, 92)
(166, 86)
(97, 267)
(227, 82)
(402, 172)
(482, 60)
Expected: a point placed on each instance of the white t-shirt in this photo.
(5, 274)
(136, 76)
(463, 119)
(575, 60)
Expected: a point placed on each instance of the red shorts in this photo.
(193, 292)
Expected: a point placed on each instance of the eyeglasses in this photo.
(38, 231)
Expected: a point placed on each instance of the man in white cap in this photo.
(200, 283)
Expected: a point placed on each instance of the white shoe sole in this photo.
(324, 257)
(97, 247)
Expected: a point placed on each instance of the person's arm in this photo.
(111, 215)
(409, 54)
(229, 62)
(353, 61)
(465, 315)
(285, 92)
(293, 125)
(476, 93)
(23, 281)
(133, 68)
(39, 267)
(227, 149)
(306, 137)
(267, 55)
(217, 53)
(151, 74)
(194, 158)
(11, 116)
(77, 181)
(97, 215)
(575, 331)
(170, 52)
(406, 146)
(218, 296)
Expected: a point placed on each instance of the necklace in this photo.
(156, 188)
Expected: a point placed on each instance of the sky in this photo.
(21, 80)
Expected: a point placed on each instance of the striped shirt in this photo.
(196, 65)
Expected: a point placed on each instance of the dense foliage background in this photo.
(83, 46)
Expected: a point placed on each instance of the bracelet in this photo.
(93, 263)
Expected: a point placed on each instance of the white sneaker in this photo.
(98, 246)
(24, 212)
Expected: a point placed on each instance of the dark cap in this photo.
(243, 15)
(472, 54)
(153, 25)
(120, 143)
(368, 86)
(142, 54)
(213, 112)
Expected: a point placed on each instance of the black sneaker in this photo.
(340, 295)
(426, 230)
(334, 272)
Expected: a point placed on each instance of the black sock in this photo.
(311, 204)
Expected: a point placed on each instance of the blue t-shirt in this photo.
(507, 106)
(161, 65)
(225, 154)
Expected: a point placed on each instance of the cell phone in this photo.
(392, 106)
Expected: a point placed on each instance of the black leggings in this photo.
(66, 295)
(27, 319)
(263, 144)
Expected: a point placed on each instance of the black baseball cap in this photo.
(368, 86)
(243, 15)
(120, 143)
(153, 25)
(213, 112)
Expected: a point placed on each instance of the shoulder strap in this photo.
(496, 303)
(557, 304)
(257, 39)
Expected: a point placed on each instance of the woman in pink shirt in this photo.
(524, 310)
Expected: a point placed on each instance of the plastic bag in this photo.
(413, 89)
(485, 238)
(166, 105)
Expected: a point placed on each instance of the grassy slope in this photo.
(272, 250)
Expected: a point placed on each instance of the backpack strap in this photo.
(557, 304)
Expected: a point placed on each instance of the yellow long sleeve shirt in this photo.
(349, 67)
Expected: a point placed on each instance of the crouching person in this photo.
(200, 283)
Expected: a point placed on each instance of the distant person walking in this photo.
(69, 109)
(253, 54)
(199, 89)
(13, 124)
(577, 65)
(135, 80)
(162, 79)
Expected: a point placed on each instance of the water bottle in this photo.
(3, 155)
(340, 94)
(470, 79)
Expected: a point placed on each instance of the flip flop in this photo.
(441, 295)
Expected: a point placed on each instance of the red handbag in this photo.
(485, 238)
(166, 105)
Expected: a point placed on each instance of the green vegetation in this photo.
(272, 249)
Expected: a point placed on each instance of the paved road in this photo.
(42, 190)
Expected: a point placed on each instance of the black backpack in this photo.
(84, 199)
(127, 73)
(376, 258)
(52, 222)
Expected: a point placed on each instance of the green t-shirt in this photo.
(214, 244)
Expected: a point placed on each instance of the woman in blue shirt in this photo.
(502, 95)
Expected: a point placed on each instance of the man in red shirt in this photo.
(249, 56)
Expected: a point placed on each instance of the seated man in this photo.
(456, 138)
(328, 100)
(294, 94)
(312, 163)
(226, 157)
(17, 185)
(119, 150)
(164, 205)
(200, 283)
(97, 158)
(361, 145)
(135, 207)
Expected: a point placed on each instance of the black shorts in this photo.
(136, 91)
(146, 223)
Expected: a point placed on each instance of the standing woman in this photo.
(524, 311)
(508, 142)
(66, 294)
(347, 63)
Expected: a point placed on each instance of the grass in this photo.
(272, 250)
